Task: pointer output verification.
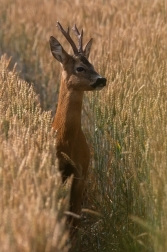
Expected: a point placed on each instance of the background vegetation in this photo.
(125, 203)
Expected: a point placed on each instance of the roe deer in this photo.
(78, 75)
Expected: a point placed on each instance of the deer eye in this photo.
(80, 69)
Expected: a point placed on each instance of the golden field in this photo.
(125, 200)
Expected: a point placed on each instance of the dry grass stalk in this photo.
(33, 201)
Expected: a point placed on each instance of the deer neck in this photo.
(67, 120)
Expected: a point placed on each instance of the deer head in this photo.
(78, 72)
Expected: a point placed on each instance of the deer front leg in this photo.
(75, 207)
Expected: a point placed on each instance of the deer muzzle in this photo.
(100, 83)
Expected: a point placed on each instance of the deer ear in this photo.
(87, 48)
(57, 50)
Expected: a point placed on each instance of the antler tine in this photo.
(67, 36)
(79, 36)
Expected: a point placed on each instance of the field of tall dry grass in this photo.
(125, 202)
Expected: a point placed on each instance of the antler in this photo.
(67, 36)
(79, 36)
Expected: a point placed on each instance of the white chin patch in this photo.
(98, 88)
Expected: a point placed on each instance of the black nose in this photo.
(100, 82)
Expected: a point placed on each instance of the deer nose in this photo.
(100, 83)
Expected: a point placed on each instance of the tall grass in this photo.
(125, 124)
(32, 202)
